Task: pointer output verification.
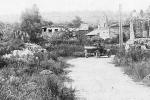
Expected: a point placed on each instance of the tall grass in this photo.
(40, 79)
(66, 48)
(135, 62)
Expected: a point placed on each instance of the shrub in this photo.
(4, 50)
(65, 50)
(22, 80)
(134, 55)
(78, 54)
(135, 62)
(2, 63)
(53, 55)
(138, 70)
(114, 49)
(67, 94)
(142, 69)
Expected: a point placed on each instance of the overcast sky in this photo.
(17, 6)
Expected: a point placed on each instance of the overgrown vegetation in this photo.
(135, 62)
(32, 22)
(65, 46)
(34, 71)
(37, 77)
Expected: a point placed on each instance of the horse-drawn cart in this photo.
(89, 50)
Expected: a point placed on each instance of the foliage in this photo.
(65, 50)
(6, 31)
(91, 28)
(47, 23)
(39, 79)
(114, 49)
(135, 62)
(115, 40)
(75, 22)
(81, 37)
(14, 44)
(31, 22)
(78, 54)
(62, 45)
(107, 41)
(68, 94)
(141, 13)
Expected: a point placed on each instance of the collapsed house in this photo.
(49, 31)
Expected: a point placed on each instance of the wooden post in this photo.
(148, 31)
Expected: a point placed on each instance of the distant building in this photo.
(102, 31)
(114, 30)
(52, 29)
(82, 30)
(48, 31)
(83, 27)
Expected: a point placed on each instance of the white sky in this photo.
(17, 6)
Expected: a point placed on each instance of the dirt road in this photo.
(99, 79)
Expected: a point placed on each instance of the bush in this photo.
(134, 55)
(32, 85)
(53, 55)
(114, 49)
(2, 63)
(67, 94)
(65, 50)
(7, 47)
(21, 80)
(135, 62)
(78, 54)
(142, 69)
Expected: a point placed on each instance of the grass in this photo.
(21, 80)
(134, 62)
(66, 50)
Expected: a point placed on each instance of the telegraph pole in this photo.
(120, 28)
(148, 29)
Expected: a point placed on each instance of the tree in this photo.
(141, 13)
(81, 37)
(16, 26)
(31, 22)
(75, 22)
(91, 28)
(6, 31)
(47, 23)
(116, 39)
(107, 41)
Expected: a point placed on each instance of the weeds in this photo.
(38, 79)
(135, 62)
